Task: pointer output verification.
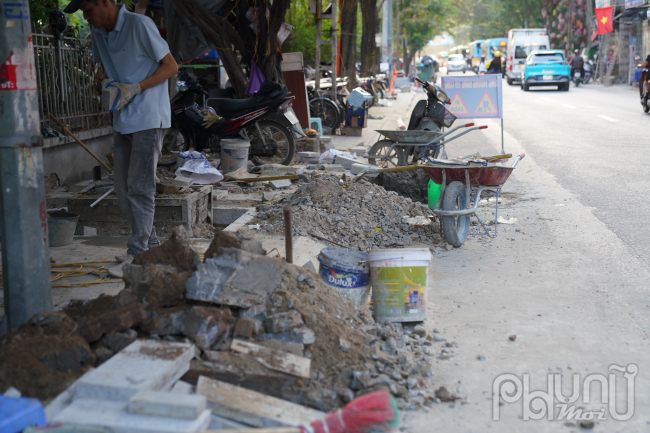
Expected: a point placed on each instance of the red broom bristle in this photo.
(370, 410)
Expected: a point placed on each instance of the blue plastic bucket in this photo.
(347, 272)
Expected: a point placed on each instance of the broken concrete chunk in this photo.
(344, 345)
(247, 328)
(117, 341)
(166, 321)
(167, 404)
(345, 162)
(236, 278)
(257, 311)
(124, 298)
(297, 349)
(280, 322)
(224, 239)
(156, 286)
(167, 188)
(183, 181)
(360, 380)
(204, 325)
(302, 335)
(283, 183)
(102, 354)
(309, 265)
(175, 252)
(89, 231)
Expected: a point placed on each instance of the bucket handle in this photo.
(392, 258)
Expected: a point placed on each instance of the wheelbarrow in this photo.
(393, 151)
(458, 182)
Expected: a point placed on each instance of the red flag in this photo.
(604, 20)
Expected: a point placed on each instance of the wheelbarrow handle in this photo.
(517, 159)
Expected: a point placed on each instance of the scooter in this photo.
(251, 119)
(644, 91)
(577, 77)
(428, 115)
(589, 71)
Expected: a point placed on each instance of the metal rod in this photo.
(322, 238)
(503, 152)
(102, 197)
(288, 232)
(67, 131)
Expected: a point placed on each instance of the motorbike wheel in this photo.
(176, 140)
(273, 130)
(378, 155)
(328, 112)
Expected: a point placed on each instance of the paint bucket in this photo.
(61, 226)
(234, 154)
(347, 272)
(399, 283)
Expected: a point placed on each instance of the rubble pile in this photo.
(237, 297)
(355, 214)
(410, 183)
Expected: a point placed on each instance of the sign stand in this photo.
(476, 97)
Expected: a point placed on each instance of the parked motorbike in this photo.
(251, 119)
(322, 105)
(428, 115)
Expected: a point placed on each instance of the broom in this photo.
(374, 412)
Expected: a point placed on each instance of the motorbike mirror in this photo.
(58, 23)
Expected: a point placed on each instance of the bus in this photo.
(489, 46)
(461, 49)
(475, 52)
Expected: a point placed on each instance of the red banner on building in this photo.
(605, 21)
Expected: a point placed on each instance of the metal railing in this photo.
(67, 79)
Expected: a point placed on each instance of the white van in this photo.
(520, 43)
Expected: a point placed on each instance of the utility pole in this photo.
(23, 217)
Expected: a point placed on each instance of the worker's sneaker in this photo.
(117, 271)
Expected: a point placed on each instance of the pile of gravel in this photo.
(355, 214)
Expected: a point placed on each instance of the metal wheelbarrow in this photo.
(458, 182)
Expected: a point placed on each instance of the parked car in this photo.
(546, 68)
(456, 63)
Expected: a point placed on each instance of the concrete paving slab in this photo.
(167, 404)
(114, 414)
(143, 365)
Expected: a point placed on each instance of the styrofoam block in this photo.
(143, 365)
(113, 414)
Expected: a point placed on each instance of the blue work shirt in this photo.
(131, 53)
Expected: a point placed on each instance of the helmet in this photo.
(497, 54)
(576, 51)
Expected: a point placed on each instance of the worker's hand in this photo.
(127, 92)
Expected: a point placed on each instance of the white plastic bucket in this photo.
(399, 283)
(234, 154)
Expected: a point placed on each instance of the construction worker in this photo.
(137, 61)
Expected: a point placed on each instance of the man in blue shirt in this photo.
(137, 59)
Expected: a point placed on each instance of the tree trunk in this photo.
(349, 41)
(409, 53)
(267, 56)
(369, 57)
(213, 29)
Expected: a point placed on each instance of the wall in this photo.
(70, 161)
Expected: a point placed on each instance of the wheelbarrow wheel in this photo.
(378, 155)
(455, 228)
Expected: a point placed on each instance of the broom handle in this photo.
(258, 430)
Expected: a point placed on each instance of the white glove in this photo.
(127, 92)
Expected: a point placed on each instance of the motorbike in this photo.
(428, 115)
(577, 77)
(644, 91)
(254, 119)
(589, 71)
(321, 105)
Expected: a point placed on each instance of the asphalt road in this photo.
(594, 140)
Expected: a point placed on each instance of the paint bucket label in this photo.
(399, 293)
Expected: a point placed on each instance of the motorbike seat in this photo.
(230, 108)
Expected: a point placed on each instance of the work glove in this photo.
(127, 91)
(209, 118)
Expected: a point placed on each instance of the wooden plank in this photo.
(252, 408)
(274, 359)
(265, 178)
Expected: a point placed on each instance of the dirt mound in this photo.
(412, 184)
